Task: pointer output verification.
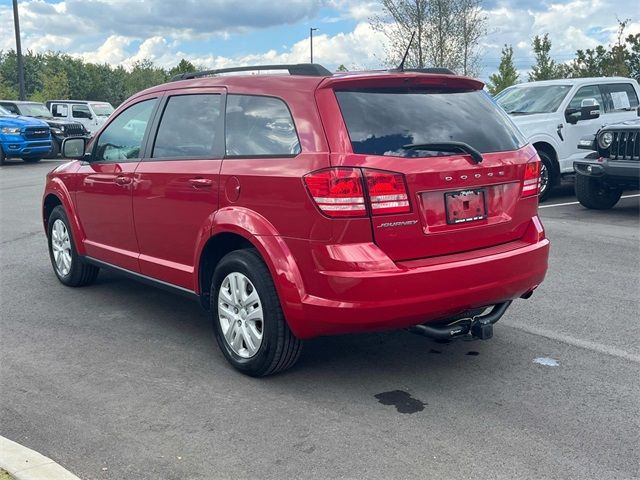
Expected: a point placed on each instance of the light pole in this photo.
(16, 22)
(311, 30)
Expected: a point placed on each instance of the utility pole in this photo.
(311, 30)
(16, 22)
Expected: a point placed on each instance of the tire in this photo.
(548, 175)
(31, 159)
(76, 273)
(2, 156)
(277, 349)
(595, 194)
(55, 149)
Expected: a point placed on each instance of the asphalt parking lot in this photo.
(123, 381)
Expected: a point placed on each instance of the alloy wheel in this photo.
(61, 248)
(240, 315)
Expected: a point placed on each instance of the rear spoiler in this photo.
(401, 79)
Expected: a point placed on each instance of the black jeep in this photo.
(603, 175)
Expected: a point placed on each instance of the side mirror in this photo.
(589, 112)
(74, 147)
(585, 112)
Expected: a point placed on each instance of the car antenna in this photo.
(406, 53)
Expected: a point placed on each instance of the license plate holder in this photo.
(465, 206)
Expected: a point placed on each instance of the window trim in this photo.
(266, 155)
(145, 137)
(162, 105)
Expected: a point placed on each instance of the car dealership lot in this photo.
(120, 380)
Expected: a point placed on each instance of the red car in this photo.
(293, 206)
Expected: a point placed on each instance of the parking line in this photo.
(576, 203)
(576, 342)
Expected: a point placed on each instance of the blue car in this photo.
(23, 137)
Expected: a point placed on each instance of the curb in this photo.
(26, 464)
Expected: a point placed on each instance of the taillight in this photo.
(387, 192)
(531, 183)
(338, 192)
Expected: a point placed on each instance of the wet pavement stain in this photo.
(472, 353)
(403, 401)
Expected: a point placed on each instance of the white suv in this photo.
(555, 114)
(91, 114)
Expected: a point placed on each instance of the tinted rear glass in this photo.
(382, 122)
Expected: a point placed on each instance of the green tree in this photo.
(54, 85)
(185, 66)
(545, 67)
(342, 68)
(506, 75)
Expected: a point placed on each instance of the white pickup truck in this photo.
(555, 114)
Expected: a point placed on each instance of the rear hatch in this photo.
(457, 201)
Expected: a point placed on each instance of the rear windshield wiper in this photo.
(446, 147)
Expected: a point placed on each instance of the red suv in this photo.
(307, 204)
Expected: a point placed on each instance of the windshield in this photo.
(530, 100)
(102, 109)
(388, 122)
(4, 111)
(33, 110)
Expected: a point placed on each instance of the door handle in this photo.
(200, 182)
(122, 180)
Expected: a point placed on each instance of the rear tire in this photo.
(595, 194)
(31, 159)
(67, 265)
(233, 315)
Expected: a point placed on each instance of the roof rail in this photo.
(310, 69)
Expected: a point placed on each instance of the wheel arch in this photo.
(236, 228)
(57, 194)
(550, 150)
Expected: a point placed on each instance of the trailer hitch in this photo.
(478, 326)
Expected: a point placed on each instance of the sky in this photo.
(221, 33)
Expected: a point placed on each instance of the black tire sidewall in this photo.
(587, 191)
(250, 265)
(31, 159)
(546, 160)
(73, 277)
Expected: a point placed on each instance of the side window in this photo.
(12, 108)
(80, 111)
(620, 97)
(122, 139)
(59, 110)
(587, 93)
(259, 126)
(188, 127)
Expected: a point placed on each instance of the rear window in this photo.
(382, 122)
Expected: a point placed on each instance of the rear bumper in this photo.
(418, 291)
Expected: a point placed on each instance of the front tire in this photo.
(248, 321)
(548, 175)
(595, 194)
(67, 265)
(55, 149)
(2, 156)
